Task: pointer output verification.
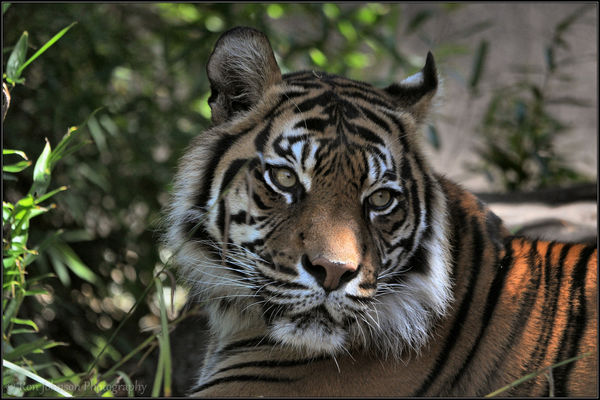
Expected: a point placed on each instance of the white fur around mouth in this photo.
(313, 337)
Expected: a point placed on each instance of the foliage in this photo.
(519, 127)
(21, 344)
(136, 74)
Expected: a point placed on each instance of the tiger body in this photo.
(333, 260)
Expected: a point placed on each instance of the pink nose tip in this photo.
(329, 274)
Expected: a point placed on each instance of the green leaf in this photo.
(318, 57)
(367, 15)
(37, 378)
(331, 11)
(9, 262)
(22, 330)
(478, 65)
(16, 58)
(27, 322)
(537, 373)
(7, 314)
(75, 264)
(45, 47)
(128, 383)
(346, 29)
(433, 137)
(67, 144)
(549, 56)
(9, 177)
(98, 134)
(50, 194)
(275, 11)
(18, 167)
(25, 202)
(38, 278)
(59, 266)
(6, 152)
(41, 172)
(5, 7)
(37, 346)
(164, 367)
(33, 292)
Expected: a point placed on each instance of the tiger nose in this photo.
(329, 274)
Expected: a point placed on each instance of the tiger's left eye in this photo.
(284, 177)
(380, 199)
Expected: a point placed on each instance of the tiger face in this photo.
(307, 210)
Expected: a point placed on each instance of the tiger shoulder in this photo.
(333, 260)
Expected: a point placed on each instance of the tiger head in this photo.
(307, 210)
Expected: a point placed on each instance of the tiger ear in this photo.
(240, 69)
(416, 92)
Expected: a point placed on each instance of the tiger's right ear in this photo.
(240, 69)
(415, 93)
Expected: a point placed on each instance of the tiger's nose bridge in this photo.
(332, 252)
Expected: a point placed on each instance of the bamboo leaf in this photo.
(478, 65)
(41, 172)
(50, 194)
(27, 322)
(128, 383)
(59, 267)
(165, 349)
(35, 377)
(16, 58)
(37, 346)
(75, 264)
(45, 47)
(8, 313)
(537, 373)
(6, 152)
(18, 167)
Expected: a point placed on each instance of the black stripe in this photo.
(312, 124)
(282, 268)
(375, 118)
(261, 139)
(402, 136)
(551, 294)
(558, 279)
(368, 285)
(252, 342)
(367, 134)
(576, 322)
(258, 201)
(307, 105)
(463, 310)
(494, 293)
(359, 299)
(305, 153)
(221, 220)
(272, 363)
(244, 378)
(218, 151)
(231, 172)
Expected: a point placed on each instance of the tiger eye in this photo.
(380, 199)
(284, 177)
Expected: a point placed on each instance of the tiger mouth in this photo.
(314, 332)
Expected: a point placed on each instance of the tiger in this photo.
(332, 260)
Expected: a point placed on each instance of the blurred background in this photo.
(518, 112)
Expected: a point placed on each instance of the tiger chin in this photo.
(321, 242)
